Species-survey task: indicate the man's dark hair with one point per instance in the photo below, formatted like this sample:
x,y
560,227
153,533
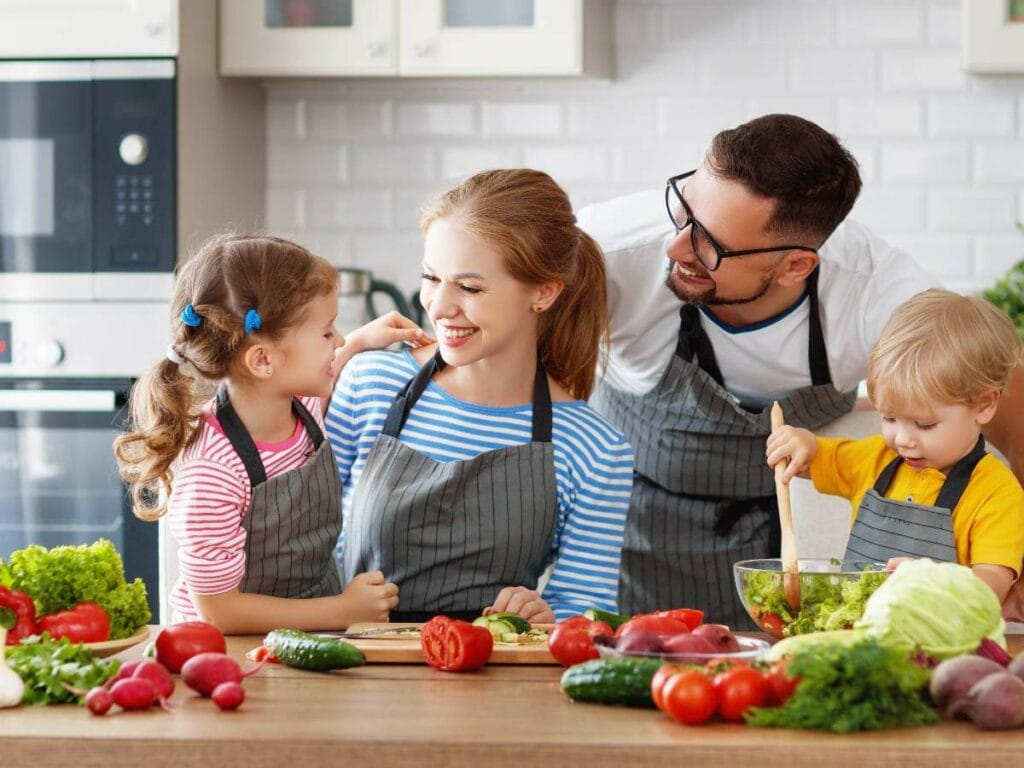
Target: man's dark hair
x,y
813,179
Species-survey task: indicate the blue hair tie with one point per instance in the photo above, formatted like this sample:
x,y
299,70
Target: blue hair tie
x,y
252,321
190,318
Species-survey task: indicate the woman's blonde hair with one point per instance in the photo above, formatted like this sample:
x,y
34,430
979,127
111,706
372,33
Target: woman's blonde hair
x,y
213,294
528,218
942,347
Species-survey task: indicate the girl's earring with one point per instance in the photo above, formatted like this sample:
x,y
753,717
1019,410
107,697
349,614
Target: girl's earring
x,y
537,308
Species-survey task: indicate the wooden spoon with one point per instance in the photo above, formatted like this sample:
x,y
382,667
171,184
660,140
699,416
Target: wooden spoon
x,y
791,578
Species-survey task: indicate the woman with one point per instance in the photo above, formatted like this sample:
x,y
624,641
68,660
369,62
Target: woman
x,y
471,466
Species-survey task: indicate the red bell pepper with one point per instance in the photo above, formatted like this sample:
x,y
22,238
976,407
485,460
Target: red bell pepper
x,y
455,646
24,611
572,641
85,623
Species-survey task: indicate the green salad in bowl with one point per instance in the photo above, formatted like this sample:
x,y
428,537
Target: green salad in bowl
x,y
832,594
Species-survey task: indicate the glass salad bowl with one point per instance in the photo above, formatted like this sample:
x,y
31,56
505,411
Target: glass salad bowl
x,y
832,594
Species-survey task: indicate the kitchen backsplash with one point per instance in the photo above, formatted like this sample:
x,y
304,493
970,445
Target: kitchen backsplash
x,y
941,151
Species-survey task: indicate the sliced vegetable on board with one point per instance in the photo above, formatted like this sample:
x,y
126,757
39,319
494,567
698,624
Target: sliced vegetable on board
x,y
455,646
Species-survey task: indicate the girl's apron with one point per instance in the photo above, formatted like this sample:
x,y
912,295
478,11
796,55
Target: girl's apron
x,y
887,528
451,535
704,496
294,518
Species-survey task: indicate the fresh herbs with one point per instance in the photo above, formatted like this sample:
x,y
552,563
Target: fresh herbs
x,y
48,668
1008,292
844,688
62,577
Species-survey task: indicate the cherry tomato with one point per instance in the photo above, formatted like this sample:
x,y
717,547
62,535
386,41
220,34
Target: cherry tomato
x,y
662,676
738,689
658,625
178,643
572,641
772,624
780,685
689,697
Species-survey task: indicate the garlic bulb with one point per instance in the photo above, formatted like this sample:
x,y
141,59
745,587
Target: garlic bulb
x,y
11,687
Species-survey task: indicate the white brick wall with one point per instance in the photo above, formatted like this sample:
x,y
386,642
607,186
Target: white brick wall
x,y
350,163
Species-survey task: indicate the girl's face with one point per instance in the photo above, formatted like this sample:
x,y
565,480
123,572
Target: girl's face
x,y
477,308
935,435
308,349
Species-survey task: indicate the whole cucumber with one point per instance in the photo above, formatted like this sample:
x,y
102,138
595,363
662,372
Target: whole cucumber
x,y
626,682
305,651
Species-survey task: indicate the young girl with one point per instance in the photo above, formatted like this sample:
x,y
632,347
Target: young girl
x,y
247,480
926,487
470,467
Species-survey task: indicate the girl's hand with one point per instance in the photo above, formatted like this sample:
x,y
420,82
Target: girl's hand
x,y
526,602
799,446
368,597
384,331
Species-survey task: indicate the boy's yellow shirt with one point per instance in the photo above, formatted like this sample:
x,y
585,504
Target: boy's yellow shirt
x,y
988,523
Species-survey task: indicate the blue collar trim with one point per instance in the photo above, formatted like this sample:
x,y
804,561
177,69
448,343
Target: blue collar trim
x,y
737,329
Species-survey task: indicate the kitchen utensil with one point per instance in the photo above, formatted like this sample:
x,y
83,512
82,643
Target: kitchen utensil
x,y
406,650
400,631
788,553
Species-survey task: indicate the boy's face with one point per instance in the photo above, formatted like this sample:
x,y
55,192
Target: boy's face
x,y
935,435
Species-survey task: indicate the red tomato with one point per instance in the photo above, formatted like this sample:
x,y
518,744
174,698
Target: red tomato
x,y
455,646
691,617
772,624
665,673
658,625
178,643
572,641
780,685
689,697
262,653
739,689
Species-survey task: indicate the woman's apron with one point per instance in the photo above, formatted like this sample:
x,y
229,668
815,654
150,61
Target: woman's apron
x,y
294,518
451,535
704,496
887,528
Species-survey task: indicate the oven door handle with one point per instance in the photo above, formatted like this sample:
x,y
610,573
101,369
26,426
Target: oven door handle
x,y
59,400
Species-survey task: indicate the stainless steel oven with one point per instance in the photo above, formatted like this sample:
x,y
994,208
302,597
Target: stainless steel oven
x,y
87,252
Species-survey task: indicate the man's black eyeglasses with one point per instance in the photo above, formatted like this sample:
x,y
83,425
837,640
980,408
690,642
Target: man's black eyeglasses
x,y
706,248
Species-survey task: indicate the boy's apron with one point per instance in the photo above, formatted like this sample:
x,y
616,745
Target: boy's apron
x,y
704,496
887,528
451,535
294,518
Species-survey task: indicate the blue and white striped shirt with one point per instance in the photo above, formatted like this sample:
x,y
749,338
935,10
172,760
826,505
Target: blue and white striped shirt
x,y
593,465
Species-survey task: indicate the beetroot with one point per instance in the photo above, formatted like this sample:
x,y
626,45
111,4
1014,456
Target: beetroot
x,y
639,641
994,702
205,671
719,636
953,678
1016,667
228,695
98,700
990,649
133,693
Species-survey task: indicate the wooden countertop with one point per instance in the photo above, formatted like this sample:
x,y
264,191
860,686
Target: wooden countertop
x,y
384,715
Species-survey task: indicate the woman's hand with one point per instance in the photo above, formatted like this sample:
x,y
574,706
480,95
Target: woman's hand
x,y
798,446
526,602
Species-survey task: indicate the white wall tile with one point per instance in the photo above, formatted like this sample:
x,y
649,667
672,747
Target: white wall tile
x,y
437,119
800,26
382,165
833,71
969,116
460,162
944,22
948,256
395,258
286,209
994,254
569,163
697,119
741,72
818,109
647,167
934,162
880,116
524,118
710,25
636,25
917,71
996,162
865,152
597,118
890,210
969,210
349,209
893,24
291,164
356,118
286,119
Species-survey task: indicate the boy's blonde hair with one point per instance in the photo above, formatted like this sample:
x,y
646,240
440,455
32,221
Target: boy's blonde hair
x,y
942,347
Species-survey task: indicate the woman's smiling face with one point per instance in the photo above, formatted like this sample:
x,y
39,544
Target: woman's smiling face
x,y
477,308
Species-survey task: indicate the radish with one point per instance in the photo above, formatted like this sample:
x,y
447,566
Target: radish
x,y
205,671
158,675
124,671
228,695
98,700
133,693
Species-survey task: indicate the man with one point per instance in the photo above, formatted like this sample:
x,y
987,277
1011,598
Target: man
x,y
766,294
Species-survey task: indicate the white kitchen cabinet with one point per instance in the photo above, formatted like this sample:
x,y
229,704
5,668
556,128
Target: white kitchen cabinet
x,y
43,29
415,38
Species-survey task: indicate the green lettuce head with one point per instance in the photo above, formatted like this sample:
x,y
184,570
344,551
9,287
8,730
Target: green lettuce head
x,y
941,608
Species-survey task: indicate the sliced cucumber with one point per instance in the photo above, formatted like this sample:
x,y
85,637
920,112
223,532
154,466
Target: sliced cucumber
x,y
504,621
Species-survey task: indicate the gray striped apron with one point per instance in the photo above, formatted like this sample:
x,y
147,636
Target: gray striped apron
x,y
703,494
451,535
294,518
887,528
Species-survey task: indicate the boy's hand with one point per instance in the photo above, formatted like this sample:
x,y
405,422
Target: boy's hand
x,y
367,598
798,446
526,602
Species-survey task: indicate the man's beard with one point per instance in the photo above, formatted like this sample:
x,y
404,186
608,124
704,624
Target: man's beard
x,y
710,296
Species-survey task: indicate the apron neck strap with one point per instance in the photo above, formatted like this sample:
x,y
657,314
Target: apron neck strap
x,y
410,394
242,441
956,481
694,342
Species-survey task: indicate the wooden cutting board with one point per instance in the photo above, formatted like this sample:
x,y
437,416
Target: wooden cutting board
x,y
397,649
